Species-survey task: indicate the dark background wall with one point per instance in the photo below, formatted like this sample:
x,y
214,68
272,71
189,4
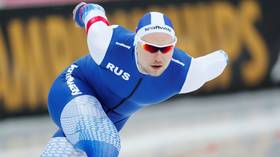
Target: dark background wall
x,y
37,43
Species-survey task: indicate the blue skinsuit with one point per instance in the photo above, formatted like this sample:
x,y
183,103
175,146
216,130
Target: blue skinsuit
x,y
91,100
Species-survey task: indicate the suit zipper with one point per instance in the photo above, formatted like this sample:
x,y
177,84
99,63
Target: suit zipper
x,y
126,98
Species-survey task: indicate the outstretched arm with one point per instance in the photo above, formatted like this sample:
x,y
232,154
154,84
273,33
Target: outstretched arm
x,y
203,69
92,17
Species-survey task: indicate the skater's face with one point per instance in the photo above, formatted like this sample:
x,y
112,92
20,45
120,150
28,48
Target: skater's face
x,y
154,53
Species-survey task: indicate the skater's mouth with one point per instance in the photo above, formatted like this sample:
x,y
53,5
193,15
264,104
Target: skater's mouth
x,y
156,67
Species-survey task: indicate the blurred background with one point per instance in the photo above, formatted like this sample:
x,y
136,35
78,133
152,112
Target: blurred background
x,y
235,115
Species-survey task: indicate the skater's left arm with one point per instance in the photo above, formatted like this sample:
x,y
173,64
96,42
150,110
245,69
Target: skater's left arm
x,y
203,69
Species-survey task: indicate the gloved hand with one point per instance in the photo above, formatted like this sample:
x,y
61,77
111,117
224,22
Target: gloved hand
x,y
82,10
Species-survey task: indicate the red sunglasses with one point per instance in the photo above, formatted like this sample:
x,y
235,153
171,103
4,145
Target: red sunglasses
x,y
154,48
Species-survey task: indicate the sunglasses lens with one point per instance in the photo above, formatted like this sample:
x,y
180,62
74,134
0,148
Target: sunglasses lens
x,y
166,49
150,48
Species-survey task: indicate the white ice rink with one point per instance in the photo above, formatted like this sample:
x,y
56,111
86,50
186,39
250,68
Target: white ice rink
x,y
243,124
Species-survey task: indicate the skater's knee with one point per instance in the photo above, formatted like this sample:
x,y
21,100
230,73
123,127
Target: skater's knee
x,y
87,127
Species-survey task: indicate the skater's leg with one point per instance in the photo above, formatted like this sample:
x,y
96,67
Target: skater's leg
x,y
87,127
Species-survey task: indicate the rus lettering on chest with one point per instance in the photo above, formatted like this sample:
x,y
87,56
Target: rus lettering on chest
x,y
117,71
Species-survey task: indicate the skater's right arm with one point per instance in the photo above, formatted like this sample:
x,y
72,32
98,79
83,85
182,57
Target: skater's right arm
x,y
92,18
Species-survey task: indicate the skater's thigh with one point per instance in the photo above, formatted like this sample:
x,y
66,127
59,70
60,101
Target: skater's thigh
x,y
62,92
